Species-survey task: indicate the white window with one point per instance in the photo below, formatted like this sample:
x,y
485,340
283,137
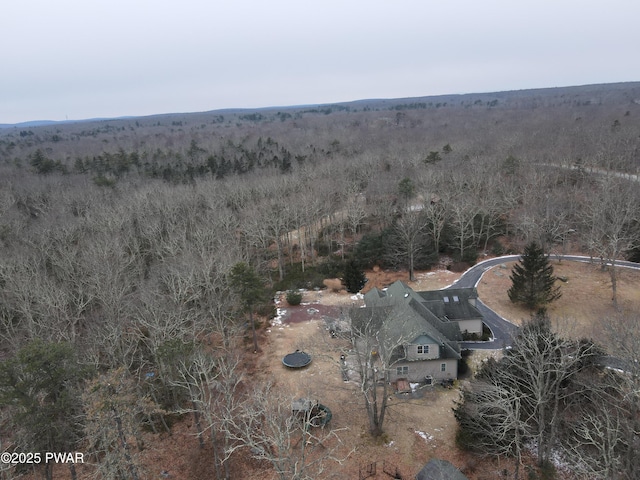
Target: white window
x,y
423,349
443,367
402,370
446,299
455,298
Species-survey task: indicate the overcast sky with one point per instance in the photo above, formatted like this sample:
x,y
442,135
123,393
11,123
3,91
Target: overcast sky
x,y
80,59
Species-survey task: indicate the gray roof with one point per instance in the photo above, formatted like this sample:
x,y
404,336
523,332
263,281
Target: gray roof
x,y
451,304
438,469
402,313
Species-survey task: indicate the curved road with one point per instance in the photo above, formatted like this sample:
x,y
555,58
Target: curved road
x,y
503,330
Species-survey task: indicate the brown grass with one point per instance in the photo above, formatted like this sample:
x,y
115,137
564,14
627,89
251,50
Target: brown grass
x,y
585,302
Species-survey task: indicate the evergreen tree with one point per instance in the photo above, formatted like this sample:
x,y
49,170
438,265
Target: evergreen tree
x,y
249,287
40,387
533,282
354,277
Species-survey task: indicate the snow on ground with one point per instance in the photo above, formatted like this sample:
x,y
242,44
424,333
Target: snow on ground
x,y
424,435
281,313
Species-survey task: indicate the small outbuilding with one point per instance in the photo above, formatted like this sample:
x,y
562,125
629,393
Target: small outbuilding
x,y
438,469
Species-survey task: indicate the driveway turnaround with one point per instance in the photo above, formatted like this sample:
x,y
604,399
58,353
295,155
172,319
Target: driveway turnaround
x,y
503,330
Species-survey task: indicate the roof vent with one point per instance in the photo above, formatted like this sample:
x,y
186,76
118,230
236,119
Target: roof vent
x,y
406,295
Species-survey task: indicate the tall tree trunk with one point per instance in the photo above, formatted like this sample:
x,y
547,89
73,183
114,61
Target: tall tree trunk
x,y
216,459
196,418
280,259
614,283
125,446
253,330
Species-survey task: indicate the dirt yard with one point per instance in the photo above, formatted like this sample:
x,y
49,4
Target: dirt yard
x,y
419,426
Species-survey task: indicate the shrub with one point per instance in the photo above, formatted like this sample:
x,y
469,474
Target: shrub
x,y
497,249
470,256
354,277
294,297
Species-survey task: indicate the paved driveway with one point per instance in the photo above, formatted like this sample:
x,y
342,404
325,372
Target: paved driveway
x,y
503,330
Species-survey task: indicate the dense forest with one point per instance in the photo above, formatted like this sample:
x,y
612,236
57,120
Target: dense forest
x,y
119,238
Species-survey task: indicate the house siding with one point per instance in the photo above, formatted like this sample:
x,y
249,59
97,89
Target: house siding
x,y
418,371
412,352
471,326
423,340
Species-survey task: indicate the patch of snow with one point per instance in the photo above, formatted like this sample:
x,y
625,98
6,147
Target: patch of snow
x,y
424,435
389,444
357,296
280,313
414,386
312,311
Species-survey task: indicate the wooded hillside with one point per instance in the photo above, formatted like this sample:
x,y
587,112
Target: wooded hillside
x,y
118,236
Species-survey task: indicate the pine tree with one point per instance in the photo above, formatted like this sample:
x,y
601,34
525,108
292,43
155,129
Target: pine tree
x,y
354,277
249,287
533,282
40,388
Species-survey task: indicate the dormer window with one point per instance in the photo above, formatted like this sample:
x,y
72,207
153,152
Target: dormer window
x,y
455,298
423,349
446,299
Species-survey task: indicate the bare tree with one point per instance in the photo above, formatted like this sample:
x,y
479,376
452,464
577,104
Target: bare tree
x,y
526,395
490,417
539,365
355,209
612,220
409,239
212,383
622,339
378,347
263,422
463,210
114,409
436,213
594,449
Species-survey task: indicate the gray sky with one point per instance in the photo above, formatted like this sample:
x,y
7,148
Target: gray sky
x,y
81,59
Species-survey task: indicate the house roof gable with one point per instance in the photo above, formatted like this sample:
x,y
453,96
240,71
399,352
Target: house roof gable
x,y
438,469
400,310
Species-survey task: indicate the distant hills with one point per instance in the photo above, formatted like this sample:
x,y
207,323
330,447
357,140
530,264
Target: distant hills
x,y
44,123
504,98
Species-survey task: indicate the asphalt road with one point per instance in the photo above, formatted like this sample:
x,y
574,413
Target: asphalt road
x,y
503,330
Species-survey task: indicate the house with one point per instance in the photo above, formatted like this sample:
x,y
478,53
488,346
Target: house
x,y
455,305
423,328
438,469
